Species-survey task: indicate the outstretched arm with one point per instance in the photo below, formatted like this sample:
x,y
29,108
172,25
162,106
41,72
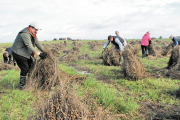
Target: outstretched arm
x,y
39,45
106,44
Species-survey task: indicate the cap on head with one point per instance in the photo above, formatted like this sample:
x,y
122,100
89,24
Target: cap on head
x,y
35,25
116,32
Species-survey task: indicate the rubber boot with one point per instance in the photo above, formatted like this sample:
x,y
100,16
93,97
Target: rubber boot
x,y
146,53
22,82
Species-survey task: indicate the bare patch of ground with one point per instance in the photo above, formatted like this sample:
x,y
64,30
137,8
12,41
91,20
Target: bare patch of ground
x,y
157,111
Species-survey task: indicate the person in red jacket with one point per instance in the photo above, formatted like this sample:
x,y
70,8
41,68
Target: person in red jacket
x,y
146,41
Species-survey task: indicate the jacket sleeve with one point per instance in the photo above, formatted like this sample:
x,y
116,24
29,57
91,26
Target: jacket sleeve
x,y
120,44
124,41
39,45
27,41
106,44
175,40
150,42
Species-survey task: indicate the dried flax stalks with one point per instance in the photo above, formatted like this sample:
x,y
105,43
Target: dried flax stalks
x,y
66,105
95,45
71,54
111,57
44,74
173,67
159,51
6,66
133,68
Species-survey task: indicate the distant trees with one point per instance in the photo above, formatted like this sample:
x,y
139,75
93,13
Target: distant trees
x,y
160,37
153,38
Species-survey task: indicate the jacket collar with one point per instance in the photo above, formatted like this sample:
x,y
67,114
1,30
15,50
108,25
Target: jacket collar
x,y
31,32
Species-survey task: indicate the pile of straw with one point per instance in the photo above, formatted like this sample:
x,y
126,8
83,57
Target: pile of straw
x,y
173,67
95,45
65,104
71,54
6,66
45,73
111,57
133,68
85,57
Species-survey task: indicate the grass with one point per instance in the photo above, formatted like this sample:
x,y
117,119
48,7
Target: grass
x,y
108,97
157,90
111,92
84,50
14,103
69,70
10,80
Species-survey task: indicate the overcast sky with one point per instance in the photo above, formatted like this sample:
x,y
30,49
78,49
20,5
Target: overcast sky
x,y
90,19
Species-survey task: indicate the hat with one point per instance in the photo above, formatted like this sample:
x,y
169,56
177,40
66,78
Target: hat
x,y
35,25
116,32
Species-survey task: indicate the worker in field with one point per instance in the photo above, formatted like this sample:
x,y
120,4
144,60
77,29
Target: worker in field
x,y
23,49
118,34
176,40
7,55
146,41
118,42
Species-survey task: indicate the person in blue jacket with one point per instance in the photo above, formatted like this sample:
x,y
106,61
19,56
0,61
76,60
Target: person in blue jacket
x,y
175,40
7,55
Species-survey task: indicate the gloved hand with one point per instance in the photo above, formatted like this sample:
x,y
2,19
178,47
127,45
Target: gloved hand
x,y
36,54
43,55
103,50
120,53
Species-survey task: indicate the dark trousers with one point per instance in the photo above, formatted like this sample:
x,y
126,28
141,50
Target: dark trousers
x,y
144,48
23,63
5,59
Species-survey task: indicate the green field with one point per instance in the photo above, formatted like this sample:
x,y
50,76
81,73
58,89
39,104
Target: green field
x,y
105,84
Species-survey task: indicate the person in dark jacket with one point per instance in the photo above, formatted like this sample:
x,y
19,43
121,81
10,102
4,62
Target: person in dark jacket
x,y
118,42
23,49
8,55
176,40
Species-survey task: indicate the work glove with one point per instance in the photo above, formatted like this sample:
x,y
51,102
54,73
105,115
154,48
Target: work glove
x,y
103,50
36,54
43,55
120,53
